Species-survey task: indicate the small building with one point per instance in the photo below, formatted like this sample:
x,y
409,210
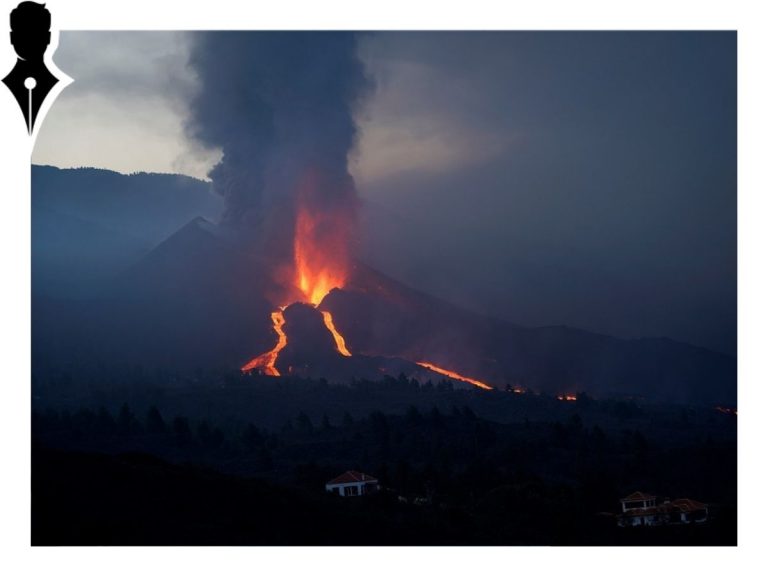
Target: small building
x,y
637,501
641,509
352,483
689,511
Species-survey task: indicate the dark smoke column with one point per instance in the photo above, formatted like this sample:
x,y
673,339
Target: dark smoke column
x,y
280,105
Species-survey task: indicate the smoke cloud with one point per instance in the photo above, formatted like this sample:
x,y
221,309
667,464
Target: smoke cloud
x,y
280,105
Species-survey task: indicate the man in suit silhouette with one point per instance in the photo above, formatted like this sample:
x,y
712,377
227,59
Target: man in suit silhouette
x,y
30,81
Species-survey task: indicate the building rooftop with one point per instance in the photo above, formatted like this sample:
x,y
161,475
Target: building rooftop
x,y
351,476
688,505
636,496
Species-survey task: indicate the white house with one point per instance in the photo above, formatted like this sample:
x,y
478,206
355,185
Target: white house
x,y
690,511
640,509
637,501
352,483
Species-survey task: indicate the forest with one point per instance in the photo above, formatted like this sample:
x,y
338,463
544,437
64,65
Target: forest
x,y
240,459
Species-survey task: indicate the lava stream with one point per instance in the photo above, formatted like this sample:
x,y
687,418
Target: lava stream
x,y
266,362
341,346
454,375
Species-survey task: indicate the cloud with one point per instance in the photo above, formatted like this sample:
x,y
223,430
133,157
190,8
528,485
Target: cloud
x,y
127,107
424,117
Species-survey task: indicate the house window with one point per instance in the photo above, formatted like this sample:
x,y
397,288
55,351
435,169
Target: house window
x,y
350,491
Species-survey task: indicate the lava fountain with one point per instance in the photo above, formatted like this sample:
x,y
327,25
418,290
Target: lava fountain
x,y
322,234
320,263
319,255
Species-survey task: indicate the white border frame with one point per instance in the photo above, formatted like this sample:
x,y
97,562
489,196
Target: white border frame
x,y
744,16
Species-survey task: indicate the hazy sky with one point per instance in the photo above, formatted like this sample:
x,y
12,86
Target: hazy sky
x,y
586,179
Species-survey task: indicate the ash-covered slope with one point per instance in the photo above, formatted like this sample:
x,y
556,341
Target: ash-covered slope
x,y
311,352
379,315
197,301
192,302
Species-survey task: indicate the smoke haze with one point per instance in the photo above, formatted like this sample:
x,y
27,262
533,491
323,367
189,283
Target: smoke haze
x,y
280,107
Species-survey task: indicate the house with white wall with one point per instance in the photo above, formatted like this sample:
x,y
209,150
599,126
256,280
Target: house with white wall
x,y
641,509
352,483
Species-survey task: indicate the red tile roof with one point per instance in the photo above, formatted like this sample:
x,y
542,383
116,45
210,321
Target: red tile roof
x,y
351,476
688,505
635,496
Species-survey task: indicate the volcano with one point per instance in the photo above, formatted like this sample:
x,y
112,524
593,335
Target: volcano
x,y
197,301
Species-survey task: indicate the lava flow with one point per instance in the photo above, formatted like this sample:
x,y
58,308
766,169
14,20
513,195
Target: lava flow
x,y
266,362
320,263
319,248
341,346
454,375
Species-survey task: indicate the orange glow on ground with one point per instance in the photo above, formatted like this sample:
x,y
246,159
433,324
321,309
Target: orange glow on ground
x,y
567,397
454,375
266,362
341,346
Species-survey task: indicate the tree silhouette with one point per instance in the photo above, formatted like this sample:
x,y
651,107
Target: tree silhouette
x,y
155,422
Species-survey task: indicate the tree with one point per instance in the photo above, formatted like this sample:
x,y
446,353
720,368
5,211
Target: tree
x,y
155,422
252,437
436,417
204,433
181,430
125,420
105,424
413,416
304,423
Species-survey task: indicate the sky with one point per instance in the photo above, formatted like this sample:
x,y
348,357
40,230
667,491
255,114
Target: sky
x,y
586,179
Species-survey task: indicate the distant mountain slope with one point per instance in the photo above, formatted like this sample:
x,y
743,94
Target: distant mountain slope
x,y
197,297
192,302
196,301
146,206
90,224
72,257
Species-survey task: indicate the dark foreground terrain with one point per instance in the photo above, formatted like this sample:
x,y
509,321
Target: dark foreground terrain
x,y
244,461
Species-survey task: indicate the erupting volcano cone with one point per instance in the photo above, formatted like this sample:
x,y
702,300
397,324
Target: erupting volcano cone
x,y
311,347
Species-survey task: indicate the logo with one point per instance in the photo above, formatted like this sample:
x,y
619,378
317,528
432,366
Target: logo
x,y
30,81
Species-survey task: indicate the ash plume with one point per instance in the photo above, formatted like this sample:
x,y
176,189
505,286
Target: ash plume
x,y
280,106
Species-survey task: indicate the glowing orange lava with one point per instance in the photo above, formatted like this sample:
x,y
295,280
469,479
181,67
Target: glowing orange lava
x,y
320,262
320,245
567,397
266,362
317,272
341,346
454,375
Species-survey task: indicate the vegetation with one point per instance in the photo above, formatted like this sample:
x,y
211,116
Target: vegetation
x,y
456,466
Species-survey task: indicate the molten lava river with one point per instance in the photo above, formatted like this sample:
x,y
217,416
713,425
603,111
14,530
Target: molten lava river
x,y
315,276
